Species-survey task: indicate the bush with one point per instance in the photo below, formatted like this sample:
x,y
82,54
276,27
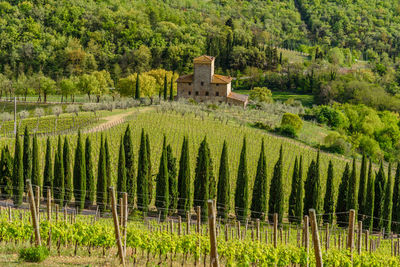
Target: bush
x,y
331,117
34,254
262,125
286,130
335,143
293,120
261,94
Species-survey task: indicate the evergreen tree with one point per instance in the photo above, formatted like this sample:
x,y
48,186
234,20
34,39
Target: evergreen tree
x,y
121,181
142,176
79,177
165,87
68,174
352,193
162,188
27,156
129,165
223,193
212,183
172,181
276,195
293,194
362,190
201,179
137,91
380,183
90,186
6,173
171,88
18,172
59,174
259,199
369,202
298,209
329,201
184,192
388,202
150,179
101,199
242,187
341,206
313,198
396,201
48,170
108,169
36,179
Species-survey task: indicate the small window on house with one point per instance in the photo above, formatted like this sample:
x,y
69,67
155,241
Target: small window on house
x,y
206,93
217,94
197,93
190,83
202,83
189,92
217,84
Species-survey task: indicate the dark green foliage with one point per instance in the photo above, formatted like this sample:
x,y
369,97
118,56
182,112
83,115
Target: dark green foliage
x,y
79,174
313,198
341,204
242,187
201,179
212,183
184,201
379,201
102,189
34,254
362,190
171,89
48,169
108,168
223,193
162,188
6,173
150,179
369,202
18,172
276,195
90,183
59,187
172,181
260,194
121,179
27,156
329,200
36,179
143,175
296,183
165,88
68,174
129,165
298,209
388,202
396,201
352,202
137,88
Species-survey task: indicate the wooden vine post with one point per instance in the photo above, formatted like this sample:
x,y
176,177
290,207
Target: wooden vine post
x,y
188,223
214,262
125,222
315,237
37,193
116,226
350,236
359,240
275,230
32,205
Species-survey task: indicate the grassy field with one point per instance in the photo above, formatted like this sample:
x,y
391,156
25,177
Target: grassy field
x,y
306,100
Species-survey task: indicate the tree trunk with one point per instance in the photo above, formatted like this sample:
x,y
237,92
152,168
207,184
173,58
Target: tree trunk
x,y
98,99
45,97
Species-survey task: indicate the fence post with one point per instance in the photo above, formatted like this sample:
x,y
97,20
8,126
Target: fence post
x,y
213,237
315,236
125,224
275,230
116,226
359,240
350,236
37,196
187,222
32,205
48,204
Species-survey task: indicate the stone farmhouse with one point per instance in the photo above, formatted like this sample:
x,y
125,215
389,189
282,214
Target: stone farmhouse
x,y
203,85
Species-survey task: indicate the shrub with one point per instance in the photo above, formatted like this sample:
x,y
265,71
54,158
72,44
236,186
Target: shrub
x,y
286,130
261,94
262,125
335,143
293,120
331,117
34,254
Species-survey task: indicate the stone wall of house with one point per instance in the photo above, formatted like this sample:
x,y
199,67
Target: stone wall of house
x,y
202,76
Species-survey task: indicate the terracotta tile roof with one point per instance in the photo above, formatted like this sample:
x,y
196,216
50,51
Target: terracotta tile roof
x,y
203,59
185,79
221,79
237,96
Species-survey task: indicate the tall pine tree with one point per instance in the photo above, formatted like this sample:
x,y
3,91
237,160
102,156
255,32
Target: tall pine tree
x,y
369,202
142,176
68,174
27,156
388,202
396,201
129,165
298,209
201,179
101,199
362,190
18,172
242,186
313,199
172,181
150,179
79,177
259,199
59,188
36,179
276,195
6,173
171,88
137,90
48,169
121,180
162,188
380,183
329,200
184,192
212,183
165,88
341,204
108,168
223,192
90,186
293,194
352,202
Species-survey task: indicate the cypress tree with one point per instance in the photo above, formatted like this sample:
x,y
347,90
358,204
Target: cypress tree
x,y
90,187
137,91
362,190
121,181
150,179
108,168
388,202
329,201
18,172
342,205
242,187
101,199
59,174
369,202
352,193
129,165
165,87
172,181
171,88
298,209
223,193
396,201
212,184
79,178
201,179
142,176
162,188
36,180
293,194
259,199
276,195
48,169
27,156
380,183
67,172
184,192
313,198
6,173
